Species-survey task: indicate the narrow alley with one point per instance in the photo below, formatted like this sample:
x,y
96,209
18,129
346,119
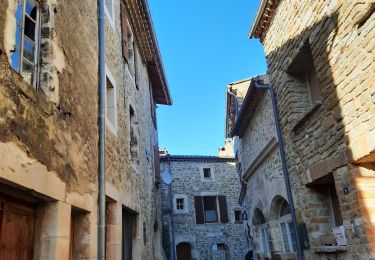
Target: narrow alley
x,y
265,150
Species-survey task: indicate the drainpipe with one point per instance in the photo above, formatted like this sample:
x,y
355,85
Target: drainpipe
x,y
285,168
101,159
171,213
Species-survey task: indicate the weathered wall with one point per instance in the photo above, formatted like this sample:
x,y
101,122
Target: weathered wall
x,y
133,179
187,180
52,130
48,136
330,137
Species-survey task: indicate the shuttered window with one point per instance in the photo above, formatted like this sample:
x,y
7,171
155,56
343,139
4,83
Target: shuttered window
x,y
124,28
209,208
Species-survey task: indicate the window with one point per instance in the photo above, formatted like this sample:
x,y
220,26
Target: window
x,y
110,11
207,173
304,75
259,221
111,105
180,204
265,240
237,216
211,209
24,56
287,228
326,198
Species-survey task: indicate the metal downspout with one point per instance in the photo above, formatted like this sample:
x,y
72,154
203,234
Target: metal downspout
x,y
285,168
171,213
101,151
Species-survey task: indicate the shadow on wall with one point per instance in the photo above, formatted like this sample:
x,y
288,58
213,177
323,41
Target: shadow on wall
x,y
322,79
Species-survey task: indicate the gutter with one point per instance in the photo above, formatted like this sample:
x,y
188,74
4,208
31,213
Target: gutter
x,y
284,164
101,133
257,17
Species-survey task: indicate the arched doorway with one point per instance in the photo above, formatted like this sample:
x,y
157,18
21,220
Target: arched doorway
x,y
183,251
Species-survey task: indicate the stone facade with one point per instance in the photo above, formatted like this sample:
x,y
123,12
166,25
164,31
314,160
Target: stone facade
x,y
49,133
258,159
224,237
320,62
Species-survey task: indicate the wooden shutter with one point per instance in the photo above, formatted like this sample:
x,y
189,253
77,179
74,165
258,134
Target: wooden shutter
x,y
124,28
199,209
157,164
223,209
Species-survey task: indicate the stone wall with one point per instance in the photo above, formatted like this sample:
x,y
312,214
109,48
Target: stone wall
x,y
49,134
132,174
335,136
187,181
261,172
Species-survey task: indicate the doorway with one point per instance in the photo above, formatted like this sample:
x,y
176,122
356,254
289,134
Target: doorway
x,y
17,228
183,251
128,219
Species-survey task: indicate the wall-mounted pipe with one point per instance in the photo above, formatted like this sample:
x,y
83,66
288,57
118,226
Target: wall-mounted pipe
x,y
101,132
285,168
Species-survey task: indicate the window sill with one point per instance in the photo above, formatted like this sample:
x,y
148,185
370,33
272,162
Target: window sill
x,y
330,249
30,92
305,117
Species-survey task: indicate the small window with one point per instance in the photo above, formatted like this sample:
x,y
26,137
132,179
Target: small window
x,y
207,173
24,56
111,105
237,216
110,11
180,204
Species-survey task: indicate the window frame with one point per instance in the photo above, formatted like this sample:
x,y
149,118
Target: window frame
x,y
110,14
184,197
290,245
111,126
216,209
22,37
240,220
212,173
264,235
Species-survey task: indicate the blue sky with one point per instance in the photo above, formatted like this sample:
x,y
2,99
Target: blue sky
x,y
204,46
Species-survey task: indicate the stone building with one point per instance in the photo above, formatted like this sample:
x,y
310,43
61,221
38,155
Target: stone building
x,y
263,195
49,133
320,57
201,216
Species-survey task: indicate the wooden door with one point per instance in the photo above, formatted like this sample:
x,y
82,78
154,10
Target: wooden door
x,y
183,251
17,224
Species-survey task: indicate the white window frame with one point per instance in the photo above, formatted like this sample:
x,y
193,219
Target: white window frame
x,y
212,178
109,124
110,13
22,40
265,240
286,220
185,198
